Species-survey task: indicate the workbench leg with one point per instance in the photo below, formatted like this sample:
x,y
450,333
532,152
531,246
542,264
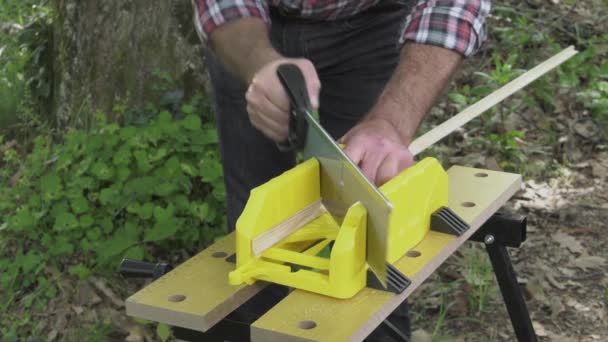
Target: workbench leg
x,y
511,292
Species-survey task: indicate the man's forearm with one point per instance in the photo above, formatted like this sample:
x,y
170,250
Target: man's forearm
x,y
419,79
244,46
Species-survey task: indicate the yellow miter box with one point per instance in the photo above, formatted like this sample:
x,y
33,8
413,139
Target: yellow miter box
x,y
293,200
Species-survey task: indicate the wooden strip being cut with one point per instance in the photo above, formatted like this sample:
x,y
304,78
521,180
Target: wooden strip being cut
x,y
473,111
474,195
282,230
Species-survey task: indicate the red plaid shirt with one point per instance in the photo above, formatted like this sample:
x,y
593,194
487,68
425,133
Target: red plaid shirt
x,y
457,25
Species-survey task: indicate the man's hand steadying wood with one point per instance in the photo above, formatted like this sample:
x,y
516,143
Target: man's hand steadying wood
x,y
379,144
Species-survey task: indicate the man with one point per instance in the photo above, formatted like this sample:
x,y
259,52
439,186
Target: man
x,y
373,69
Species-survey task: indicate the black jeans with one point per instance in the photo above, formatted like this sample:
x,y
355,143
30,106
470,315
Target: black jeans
x,y
354,59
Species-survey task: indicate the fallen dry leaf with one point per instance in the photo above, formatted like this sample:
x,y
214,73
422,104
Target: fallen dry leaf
x,y
599,168
588,261
78,309
551,279
560,338
571,302
421,335
569,242
539,329
136,334
86,295
557,307
101,285
51,336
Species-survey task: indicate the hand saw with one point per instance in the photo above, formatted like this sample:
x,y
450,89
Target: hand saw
x,y
342,182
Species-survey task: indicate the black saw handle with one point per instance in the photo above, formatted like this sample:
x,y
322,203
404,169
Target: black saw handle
x,y
293,81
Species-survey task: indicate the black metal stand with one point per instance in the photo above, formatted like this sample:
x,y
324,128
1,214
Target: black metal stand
x,y
497,233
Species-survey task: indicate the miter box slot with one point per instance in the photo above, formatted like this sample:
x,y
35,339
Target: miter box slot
x,y
396,281
444,220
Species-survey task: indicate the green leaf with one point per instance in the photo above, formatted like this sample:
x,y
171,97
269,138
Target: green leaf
x,y
109,195
172,168
50,186
164,117
22,220
159,154
146,211
127,133
164,214
64,161
163,331
188,169
200,210
86,221
29,261
165,189
80,270
65,221
79,205
162,230
458,98
115,246
83,166
122,174
87,183
122,156
143,164
187,109
211,169
135,253
102,171
110,140
192,122
106,224
181,202
94,234
28,300
205,137
141,186
51,292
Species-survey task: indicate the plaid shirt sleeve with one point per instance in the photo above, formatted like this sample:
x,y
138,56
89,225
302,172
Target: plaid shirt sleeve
x,y
211,14
457,25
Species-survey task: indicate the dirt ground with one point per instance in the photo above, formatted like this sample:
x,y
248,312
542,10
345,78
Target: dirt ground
x,y
561,268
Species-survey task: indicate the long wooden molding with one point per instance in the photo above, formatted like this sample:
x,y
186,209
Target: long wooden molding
x,y
473,111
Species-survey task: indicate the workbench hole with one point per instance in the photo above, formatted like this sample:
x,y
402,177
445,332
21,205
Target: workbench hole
x,y
307,325
412,254
468,204
177,298
219,254
481,175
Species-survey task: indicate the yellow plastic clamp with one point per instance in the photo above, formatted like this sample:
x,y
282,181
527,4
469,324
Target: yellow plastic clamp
x,y
415,194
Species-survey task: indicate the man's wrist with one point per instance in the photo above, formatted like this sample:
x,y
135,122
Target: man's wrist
x,y
244,46
394,114
422,73
260,57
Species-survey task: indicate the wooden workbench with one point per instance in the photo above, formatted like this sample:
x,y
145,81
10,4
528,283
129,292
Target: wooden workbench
x,y
196,295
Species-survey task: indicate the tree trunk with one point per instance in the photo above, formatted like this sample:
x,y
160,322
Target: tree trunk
x,y
108,51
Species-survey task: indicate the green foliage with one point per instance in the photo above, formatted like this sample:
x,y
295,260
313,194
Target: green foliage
x,y
163,331
479,275
81,205
24,67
